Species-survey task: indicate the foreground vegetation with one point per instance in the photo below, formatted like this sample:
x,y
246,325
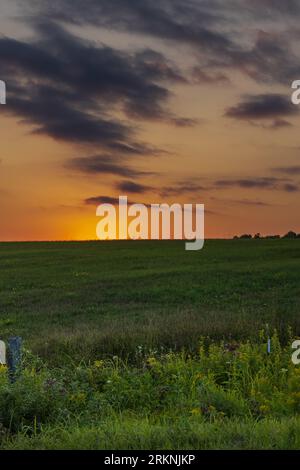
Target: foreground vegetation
x,y
116,357
224,396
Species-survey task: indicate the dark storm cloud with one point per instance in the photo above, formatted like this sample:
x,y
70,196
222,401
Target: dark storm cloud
x,y
264,107
69,88
132,187
156,67
167,19
172,19
258,183
286,7
50,114
236,34
105,164
269,59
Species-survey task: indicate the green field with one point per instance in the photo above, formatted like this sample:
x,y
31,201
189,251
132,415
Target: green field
x,y
146,345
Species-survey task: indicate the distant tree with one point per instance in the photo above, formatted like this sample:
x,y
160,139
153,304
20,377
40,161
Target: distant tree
x,y
258,236
290,234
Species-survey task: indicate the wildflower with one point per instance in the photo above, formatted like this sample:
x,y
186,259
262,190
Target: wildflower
x,y
196,411
152,362
98,364
264,409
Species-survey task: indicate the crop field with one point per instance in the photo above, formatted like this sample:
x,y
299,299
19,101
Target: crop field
x,y
143,345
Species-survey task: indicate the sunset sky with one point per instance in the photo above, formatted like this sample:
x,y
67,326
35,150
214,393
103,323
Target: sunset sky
x,y
163,101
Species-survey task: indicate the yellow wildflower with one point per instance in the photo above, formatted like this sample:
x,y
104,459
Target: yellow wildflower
x,y
196,411
98,364
152,362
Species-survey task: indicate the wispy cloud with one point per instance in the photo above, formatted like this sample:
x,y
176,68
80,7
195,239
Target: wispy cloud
x,y
262,108
288,170
258,183
105,164
133,188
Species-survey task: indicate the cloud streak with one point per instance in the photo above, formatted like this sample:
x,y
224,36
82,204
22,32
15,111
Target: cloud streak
x,y
262,108
269,183
105,164
130,187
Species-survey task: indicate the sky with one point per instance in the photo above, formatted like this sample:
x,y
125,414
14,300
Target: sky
x,y
168,101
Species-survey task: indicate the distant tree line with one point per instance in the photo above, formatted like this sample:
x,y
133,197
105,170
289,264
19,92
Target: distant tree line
x,y
257,236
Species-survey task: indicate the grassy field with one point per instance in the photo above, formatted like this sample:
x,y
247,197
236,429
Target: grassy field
x,y
108,298
145,345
